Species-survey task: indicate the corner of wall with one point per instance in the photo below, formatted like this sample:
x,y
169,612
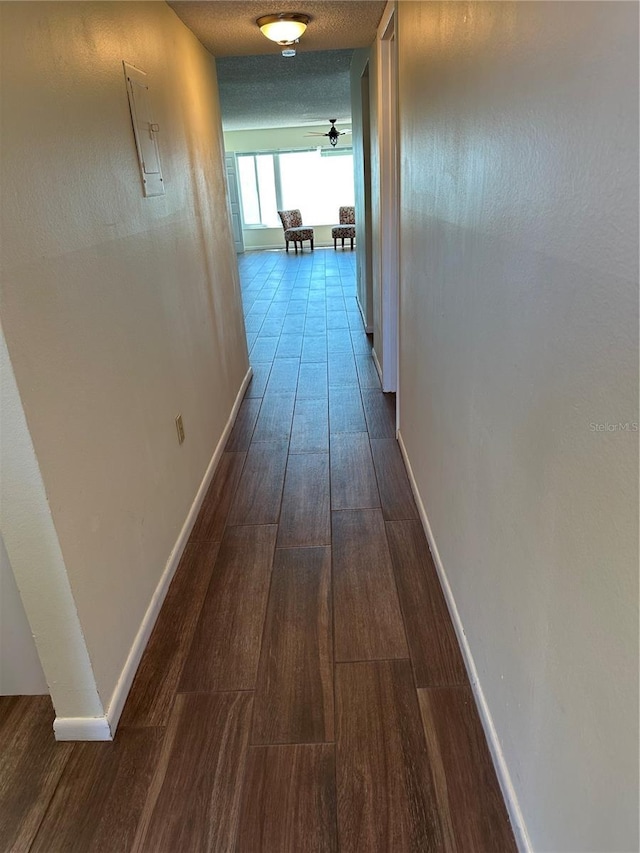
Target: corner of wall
x,y
37,562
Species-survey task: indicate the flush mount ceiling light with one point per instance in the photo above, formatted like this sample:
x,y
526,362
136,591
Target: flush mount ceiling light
x,y
284,28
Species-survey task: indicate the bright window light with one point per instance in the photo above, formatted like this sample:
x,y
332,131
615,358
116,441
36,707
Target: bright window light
x,y
317,182
267,190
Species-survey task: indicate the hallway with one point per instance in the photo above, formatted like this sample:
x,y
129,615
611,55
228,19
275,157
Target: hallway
x,y
303,688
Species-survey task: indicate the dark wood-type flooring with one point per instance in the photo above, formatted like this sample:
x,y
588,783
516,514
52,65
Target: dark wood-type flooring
x,y
303,689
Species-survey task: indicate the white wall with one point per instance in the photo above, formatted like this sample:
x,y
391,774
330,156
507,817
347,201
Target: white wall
x,y
119,312
20,669
519,330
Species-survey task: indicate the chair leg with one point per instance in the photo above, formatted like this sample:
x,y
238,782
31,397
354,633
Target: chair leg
x,y
286,245
351,244
342,238
335,244
311,241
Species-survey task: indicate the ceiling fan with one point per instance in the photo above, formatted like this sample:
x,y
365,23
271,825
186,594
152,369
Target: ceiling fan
x,y
333,133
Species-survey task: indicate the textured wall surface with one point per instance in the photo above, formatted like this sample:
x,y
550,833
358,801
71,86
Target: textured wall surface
x,y
519,344
119,311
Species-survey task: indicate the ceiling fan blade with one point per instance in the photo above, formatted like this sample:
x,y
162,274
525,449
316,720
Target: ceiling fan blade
x,y
316,134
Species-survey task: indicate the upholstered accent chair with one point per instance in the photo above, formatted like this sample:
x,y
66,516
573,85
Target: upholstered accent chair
x,y
347,227
294,231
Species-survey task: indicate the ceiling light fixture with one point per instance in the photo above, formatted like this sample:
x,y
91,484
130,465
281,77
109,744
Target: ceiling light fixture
x,y
334,134
284,28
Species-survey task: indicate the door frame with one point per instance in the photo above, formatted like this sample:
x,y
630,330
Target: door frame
x,y
235,200
366,258
386,45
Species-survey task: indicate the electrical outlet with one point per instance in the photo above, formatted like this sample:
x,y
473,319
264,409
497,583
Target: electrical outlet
x,y
180,429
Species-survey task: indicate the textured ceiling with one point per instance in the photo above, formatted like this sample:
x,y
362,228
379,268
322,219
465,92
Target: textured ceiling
x,y
259,87
228,27
269,91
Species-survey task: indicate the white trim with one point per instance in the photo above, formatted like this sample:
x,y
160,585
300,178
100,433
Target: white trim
x,y
377,363
368,329
387,14
82,728
504,777
387,94
104,728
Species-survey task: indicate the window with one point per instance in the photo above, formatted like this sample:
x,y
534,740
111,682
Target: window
x,y
258,189
317,181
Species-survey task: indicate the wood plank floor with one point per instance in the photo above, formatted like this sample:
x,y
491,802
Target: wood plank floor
x,y
303,689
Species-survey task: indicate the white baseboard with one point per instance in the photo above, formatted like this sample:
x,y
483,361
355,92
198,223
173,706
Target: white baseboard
x,y
82,728
307,248
502,771
104,728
